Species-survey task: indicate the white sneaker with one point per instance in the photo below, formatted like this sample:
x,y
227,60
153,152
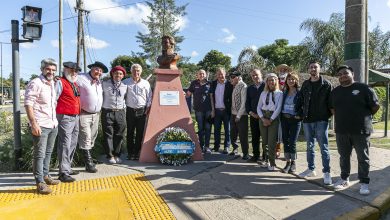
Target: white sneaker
x,y
327,179
264,165
207,151
364,189
118,160
341,184
112,160
271,168
308,173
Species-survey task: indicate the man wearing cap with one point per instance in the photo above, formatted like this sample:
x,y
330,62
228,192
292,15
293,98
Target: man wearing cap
x,y
114,114
40,101
68,111
221,104
91,100
353,105
252,100
316,113
138,101
239,119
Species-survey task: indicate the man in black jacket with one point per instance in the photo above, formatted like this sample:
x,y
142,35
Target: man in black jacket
x,y
316,113
252,99
221,102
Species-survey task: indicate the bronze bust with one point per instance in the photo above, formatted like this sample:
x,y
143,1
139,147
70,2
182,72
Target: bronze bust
x,y
168,58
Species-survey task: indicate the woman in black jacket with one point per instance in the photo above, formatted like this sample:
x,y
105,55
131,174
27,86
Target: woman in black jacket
x,y
291,118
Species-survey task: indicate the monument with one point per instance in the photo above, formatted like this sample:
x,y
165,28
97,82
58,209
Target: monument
x,y
169,107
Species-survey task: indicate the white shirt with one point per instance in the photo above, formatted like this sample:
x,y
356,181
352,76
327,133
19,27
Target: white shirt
x,y
41,96
218,95
91,93
276,106
138,94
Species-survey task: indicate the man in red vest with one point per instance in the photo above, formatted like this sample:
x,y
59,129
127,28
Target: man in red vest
x,y
68,110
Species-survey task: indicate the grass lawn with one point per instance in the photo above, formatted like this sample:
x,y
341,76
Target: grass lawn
x,y
381,125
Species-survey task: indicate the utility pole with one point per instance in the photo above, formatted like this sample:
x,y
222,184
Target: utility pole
x,y
356,38
80,33
60,39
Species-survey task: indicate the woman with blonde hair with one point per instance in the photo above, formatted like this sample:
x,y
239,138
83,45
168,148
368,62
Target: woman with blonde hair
x,y
268,109
290,119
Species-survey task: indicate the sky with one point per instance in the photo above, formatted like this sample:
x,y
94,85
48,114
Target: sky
x,y
224,25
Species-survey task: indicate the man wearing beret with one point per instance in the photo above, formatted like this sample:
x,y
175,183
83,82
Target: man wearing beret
x,y
68,111
91,100
353,104
114,114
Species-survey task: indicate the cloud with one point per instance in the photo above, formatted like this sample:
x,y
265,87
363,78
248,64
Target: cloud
x,y
253,47
111,12
229,38
28,45
194,54
230,55
388,3
54,43
93,43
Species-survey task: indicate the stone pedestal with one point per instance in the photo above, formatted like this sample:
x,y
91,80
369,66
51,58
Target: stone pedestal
x,y
163,116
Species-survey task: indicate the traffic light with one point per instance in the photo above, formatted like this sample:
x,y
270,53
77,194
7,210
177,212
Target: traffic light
x,y
32,27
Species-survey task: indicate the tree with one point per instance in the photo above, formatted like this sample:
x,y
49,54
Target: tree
x,y
127,61
33,76
248,60
326,43
189,72
379,48
213,60
162,21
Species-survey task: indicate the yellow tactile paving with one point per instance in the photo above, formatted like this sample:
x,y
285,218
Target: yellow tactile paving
x,y
142,199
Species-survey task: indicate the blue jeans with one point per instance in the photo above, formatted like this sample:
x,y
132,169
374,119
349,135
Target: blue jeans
x,y
319,131
290,131
43,147
204,128
221,116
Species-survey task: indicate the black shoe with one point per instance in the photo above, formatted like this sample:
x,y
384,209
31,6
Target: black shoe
x,y
225,150
293,168
74,172
66,178
245,157
253,159
286,168
216,149
89,165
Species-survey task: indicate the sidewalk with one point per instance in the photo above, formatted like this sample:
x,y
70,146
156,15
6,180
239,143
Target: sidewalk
x,y
224,187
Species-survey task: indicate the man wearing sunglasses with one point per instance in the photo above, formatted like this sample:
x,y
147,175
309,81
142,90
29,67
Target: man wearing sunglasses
x,y
68,111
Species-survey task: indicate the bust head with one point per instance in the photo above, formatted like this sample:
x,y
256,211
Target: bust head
x,y
168,42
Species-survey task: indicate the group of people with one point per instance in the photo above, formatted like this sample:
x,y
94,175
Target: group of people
x,y
69,108
277,108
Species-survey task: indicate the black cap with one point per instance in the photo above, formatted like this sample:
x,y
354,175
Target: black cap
x,y
71,65
235,73
100,65
344,67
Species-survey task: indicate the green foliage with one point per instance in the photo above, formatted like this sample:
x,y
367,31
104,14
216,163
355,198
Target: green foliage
x,y
379,48
189,73
381,93
213,60
162,21
326,41
281,53
126,62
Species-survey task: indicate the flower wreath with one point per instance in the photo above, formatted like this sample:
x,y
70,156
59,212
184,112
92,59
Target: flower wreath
x,y
174,146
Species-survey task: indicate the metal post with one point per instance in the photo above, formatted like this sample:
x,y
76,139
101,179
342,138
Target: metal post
x,y
2,87
386,107
16,91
